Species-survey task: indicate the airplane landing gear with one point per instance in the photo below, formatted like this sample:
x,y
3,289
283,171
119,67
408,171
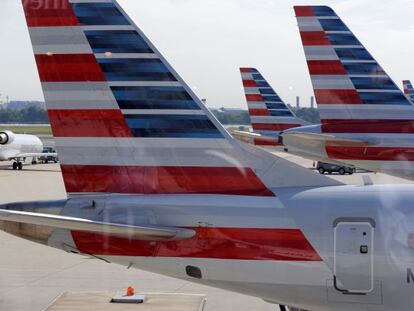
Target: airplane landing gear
x,y
18,165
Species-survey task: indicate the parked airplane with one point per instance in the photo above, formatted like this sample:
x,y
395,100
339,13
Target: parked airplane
x,y
269,115
408,90
17,147
170,191
366,121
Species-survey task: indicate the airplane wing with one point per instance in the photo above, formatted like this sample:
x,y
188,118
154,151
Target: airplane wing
x,y
154,233
29,155
38,154
269,114
246,134
330,139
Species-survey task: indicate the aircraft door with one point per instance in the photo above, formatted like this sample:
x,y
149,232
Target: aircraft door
x,y
353,256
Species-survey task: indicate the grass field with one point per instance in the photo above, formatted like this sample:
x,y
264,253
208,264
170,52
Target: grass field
x,y
27,129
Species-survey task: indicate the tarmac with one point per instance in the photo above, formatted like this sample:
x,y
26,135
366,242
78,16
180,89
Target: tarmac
x,y
152,301
32,275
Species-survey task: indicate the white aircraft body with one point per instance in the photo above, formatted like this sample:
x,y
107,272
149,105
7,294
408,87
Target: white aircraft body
x,y
156,182
18,147
366,120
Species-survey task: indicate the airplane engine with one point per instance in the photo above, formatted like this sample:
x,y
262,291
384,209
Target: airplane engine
x,y
6,137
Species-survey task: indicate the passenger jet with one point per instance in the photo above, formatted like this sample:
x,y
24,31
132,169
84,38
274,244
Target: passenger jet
x,y
156,182
269,114
17,147
366,121
408,90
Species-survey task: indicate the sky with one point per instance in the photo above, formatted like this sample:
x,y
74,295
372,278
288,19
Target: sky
x,y
207,41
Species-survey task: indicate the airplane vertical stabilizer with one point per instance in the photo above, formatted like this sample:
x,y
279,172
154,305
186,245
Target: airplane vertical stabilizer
x,y
408,90
268,113
353,92
123,119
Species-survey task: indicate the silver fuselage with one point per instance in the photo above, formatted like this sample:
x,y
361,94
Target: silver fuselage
x,y
328,217
391,153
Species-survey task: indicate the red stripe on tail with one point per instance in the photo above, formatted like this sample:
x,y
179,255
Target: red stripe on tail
x,y
324,97
245,70
163,179
254,98
218,243
303,11
42,13
273,127
259,112
249,83
88,123
314,38
326,67
69,68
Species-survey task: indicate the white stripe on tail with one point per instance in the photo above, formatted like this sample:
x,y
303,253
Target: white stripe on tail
x,y
123,119
269,114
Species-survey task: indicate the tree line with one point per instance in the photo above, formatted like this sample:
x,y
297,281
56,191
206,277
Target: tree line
x,y
241,117
36,115
32,115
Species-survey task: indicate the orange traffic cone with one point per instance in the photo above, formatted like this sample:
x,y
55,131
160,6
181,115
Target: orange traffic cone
x,y
130,291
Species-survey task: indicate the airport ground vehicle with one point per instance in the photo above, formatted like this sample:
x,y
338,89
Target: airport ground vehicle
x,y
50,155
329,168
193,203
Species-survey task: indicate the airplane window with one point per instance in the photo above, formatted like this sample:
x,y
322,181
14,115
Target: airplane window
x,y
194,272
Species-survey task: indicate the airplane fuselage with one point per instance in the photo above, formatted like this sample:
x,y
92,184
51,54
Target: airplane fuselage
x,y
286,249
21,144
385,153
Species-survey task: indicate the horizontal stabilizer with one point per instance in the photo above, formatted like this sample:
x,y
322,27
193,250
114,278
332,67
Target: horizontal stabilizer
x,y
318,137
251,135
38,154
72,223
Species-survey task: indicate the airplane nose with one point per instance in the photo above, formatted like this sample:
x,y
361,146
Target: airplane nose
x,y
35,233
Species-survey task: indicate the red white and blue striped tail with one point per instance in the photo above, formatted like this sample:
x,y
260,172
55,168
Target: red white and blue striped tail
x,y
353,92
408,90
269,115
123,119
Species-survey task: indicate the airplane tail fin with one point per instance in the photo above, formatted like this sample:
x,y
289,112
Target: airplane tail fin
x,y
408,90
268,113
353,92
123,119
